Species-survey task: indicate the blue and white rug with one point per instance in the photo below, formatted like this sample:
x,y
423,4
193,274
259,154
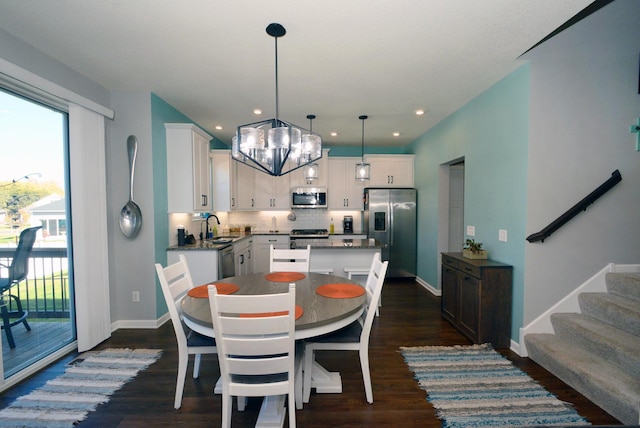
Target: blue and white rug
x,y
475,386
67,399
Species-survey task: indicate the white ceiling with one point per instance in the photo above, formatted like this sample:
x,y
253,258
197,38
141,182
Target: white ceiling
x,y
213,61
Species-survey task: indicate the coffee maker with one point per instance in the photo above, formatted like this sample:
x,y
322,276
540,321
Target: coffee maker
x,y
347,224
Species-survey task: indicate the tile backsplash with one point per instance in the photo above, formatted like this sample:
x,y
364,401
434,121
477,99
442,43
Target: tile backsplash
x,y
261,221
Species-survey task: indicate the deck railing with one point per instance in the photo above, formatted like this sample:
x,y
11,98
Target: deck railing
x,y
45,291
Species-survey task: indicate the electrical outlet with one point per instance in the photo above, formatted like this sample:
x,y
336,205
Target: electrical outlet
x,y
471,230
136,296
502,235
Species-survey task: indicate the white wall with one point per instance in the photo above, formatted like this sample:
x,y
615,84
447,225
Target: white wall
x,y
584,97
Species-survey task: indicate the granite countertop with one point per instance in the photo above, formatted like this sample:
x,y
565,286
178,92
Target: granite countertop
x,y
221,242
355,244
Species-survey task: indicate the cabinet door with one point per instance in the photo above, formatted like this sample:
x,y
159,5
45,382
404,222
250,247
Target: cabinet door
x,y
297,177
244,186
449,301
345,192
188,168
469,315
271,193
201,174
391,170
221,170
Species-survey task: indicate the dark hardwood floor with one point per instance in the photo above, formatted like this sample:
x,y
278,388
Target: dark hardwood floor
x,y
410,316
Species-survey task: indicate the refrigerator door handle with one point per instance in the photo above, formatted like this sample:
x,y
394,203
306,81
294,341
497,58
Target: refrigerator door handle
x,y
391,223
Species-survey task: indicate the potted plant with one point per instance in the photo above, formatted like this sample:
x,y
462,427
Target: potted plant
x,y
473,250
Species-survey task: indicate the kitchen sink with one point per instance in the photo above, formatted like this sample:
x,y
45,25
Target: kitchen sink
x,y
221,240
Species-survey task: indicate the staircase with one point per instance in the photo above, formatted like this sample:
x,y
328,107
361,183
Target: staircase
x,y
597,351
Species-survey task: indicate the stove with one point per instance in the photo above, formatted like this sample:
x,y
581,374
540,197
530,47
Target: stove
x,y
309,233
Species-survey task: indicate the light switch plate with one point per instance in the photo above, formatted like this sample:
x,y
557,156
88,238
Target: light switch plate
x,y
502,235
471,230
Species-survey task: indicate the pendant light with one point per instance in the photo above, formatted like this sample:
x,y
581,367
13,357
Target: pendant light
x,y
363,169
274,146
311,171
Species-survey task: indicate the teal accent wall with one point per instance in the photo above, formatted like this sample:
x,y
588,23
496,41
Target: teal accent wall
x,y
491,134
356,151
161,113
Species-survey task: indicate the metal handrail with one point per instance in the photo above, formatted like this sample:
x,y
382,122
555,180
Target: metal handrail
x,y
573,211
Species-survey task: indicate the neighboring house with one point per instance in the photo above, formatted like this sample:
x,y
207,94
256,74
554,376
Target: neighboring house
x,y
50,213
533,144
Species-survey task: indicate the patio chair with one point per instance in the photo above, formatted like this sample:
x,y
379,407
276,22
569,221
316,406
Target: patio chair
x,y
18,270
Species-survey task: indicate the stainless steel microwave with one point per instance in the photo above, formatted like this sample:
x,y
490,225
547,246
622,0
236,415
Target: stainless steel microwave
x,y
309,197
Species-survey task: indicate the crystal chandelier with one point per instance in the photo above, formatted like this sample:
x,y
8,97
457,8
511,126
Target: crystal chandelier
x,y
274,146
363,169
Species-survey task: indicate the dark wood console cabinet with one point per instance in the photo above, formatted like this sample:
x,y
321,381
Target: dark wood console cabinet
x,y
477,298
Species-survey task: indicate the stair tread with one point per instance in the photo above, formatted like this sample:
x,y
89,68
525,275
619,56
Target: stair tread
x,y
615,310
626,284
620,347
602,382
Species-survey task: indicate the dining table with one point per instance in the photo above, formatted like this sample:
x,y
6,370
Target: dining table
x,y
324,303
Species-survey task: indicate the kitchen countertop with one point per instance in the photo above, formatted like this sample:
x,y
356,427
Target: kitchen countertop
x,y
345,244
228,240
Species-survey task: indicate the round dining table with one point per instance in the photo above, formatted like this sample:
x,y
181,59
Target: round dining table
x,y
320,315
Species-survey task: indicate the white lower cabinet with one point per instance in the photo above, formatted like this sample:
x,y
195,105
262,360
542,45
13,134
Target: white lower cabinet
x,y
261,245
203,265
243,256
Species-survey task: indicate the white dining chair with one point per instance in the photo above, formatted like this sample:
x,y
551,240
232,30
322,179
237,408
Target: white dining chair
x,y
256,347
289,260
354,337
175,281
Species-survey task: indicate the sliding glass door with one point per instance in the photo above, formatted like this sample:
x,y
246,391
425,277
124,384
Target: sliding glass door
x,y
34,192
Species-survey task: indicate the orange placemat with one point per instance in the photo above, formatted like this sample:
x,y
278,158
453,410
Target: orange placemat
x,y
299,312
202,291
284,276
340,291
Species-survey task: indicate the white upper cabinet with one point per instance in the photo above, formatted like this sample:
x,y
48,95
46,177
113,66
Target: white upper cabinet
x,y
390,170
271,193
297,177
224,183
245,190
188,168
344,191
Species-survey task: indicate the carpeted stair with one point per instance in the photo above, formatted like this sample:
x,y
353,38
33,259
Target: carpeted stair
x,y
597,352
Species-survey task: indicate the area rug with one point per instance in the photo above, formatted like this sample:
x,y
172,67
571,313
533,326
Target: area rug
x,y
475,386
86,383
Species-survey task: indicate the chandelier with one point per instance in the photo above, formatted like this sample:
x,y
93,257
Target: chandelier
x,y
274,146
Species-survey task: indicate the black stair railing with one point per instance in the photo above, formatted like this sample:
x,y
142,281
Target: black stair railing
x,y
573,211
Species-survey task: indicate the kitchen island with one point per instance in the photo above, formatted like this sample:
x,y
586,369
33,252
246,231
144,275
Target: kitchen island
x,y
337,256
332,255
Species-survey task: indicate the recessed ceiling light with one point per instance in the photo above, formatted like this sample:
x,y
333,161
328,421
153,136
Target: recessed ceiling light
x,y
257,111
419,112
334,134
219,128
396,134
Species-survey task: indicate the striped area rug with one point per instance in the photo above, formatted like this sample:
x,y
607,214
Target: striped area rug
x,y
67,399
475,386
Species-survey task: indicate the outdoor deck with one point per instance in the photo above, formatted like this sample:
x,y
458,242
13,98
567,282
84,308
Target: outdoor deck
x,y
44,338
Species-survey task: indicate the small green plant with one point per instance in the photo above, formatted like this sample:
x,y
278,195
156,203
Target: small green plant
x,y
473,246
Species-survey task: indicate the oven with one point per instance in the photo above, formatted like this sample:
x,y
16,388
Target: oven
x,y
299,238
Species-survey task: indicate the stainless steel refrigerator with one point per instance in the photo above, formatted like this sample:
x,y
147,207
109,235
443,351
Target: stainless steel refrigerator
x,y
390,217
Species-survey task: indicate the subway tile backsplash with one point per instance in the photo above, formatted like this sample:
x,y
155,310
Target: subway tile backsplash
x,y
261,221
